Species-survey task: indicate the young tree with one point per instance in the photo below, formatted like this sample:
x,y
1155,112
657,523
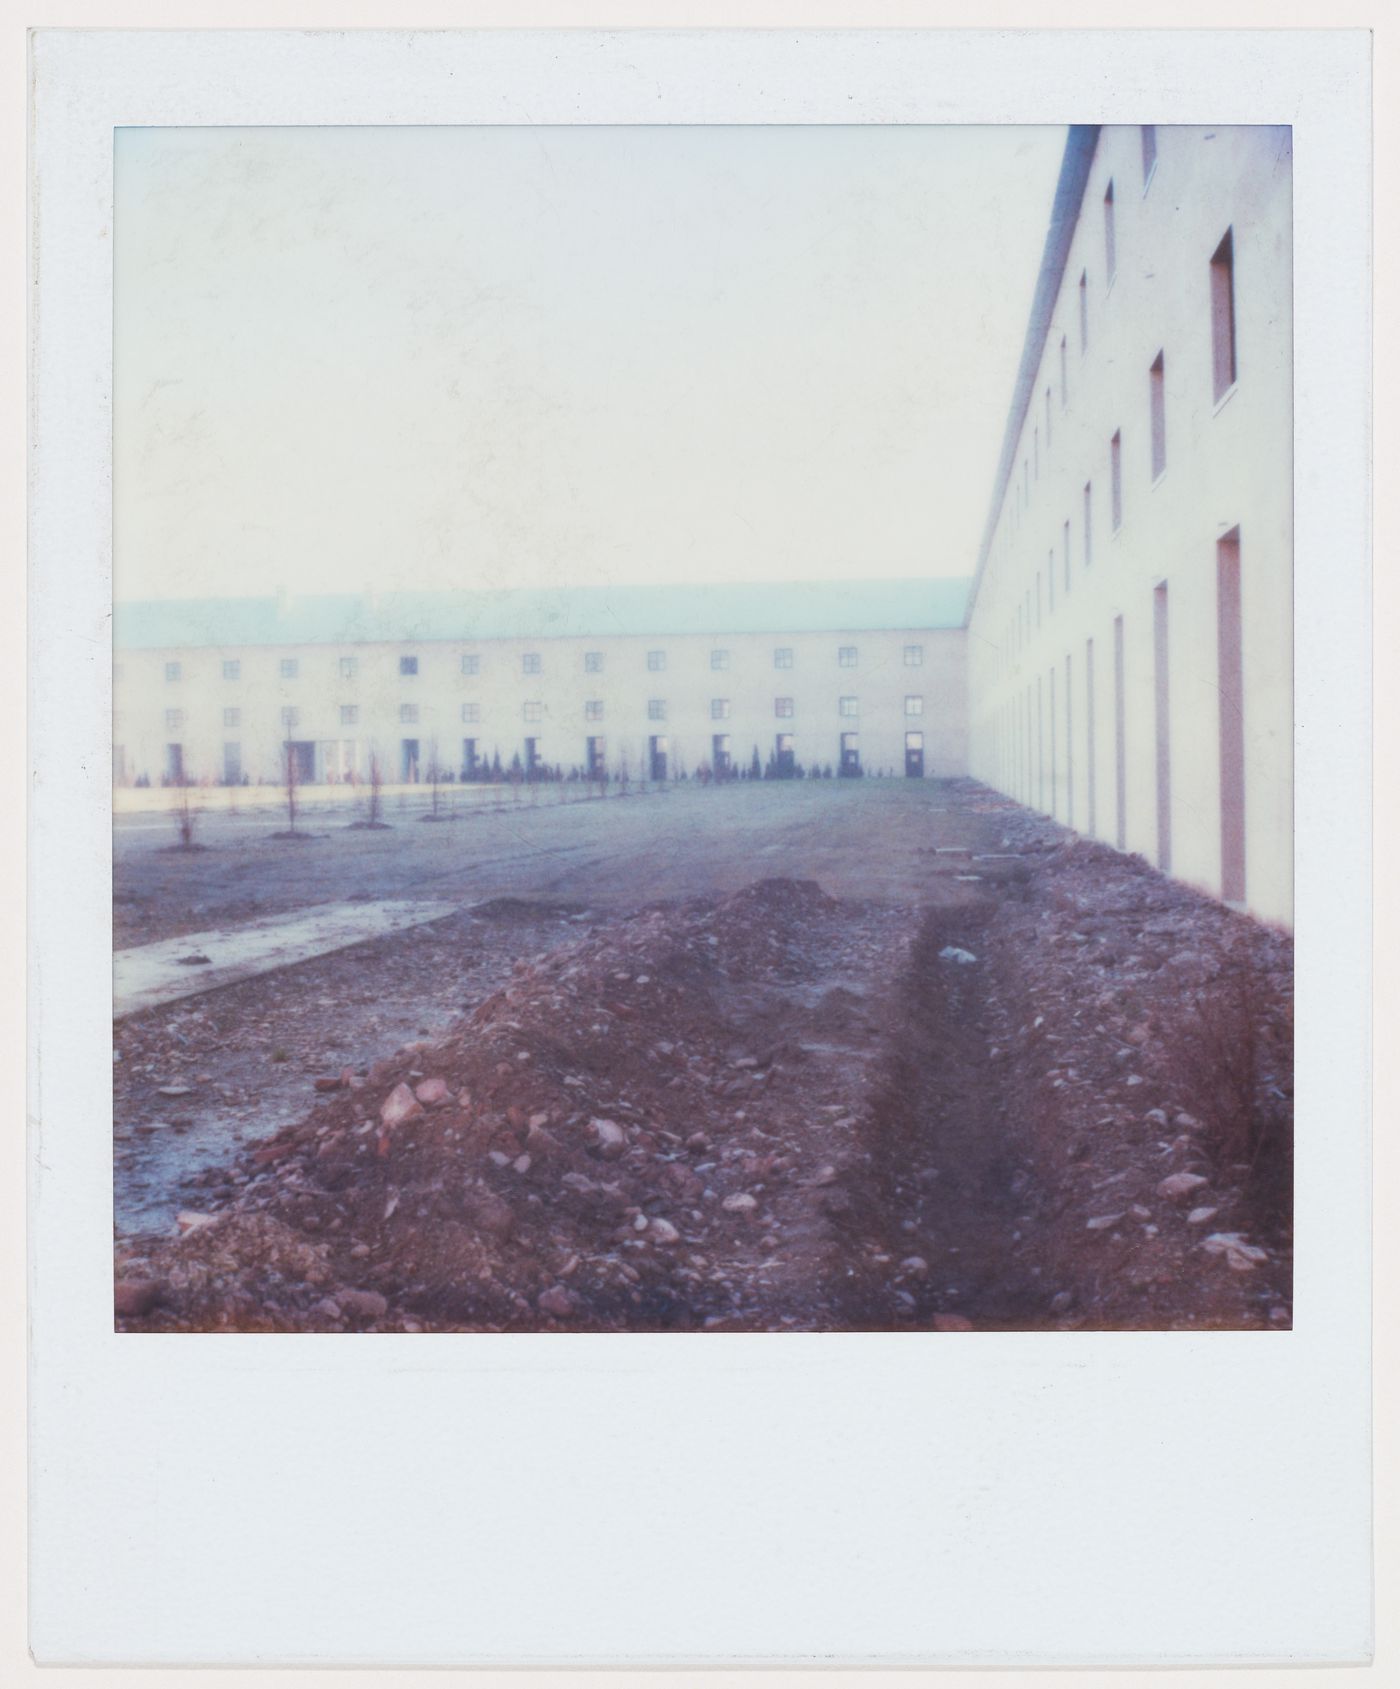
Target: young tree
x,y
290,781
186,816
755,766
434,780
376,790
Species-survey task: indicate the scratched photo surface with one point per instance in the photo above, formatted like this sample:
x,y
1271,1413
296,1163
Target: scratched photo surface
x,y
702,729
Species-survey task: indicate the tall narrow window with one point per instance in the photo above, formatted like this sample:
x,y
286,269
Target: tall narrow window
x,y
1116,479
1162,694
1222,314
1064,373
1156,382
1090,749
1149,153
1231,686
1088,523
1083,310
1120,738
1110,238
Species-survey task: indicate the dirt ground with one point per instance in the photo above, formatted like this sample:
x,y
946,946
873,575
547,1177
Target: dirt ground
x,y
851,1057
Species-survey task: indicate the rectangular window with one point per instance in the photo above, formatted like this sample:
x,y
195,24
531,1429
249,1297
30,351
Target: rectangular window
x,y
1149,152
232,668
291,715
846,656
1115,453
1156,379
656,709
782,657
172,671
174,720
233,718
1110,238
782,707
471,712
408,665
849,706
349,667
1088,523
1064,373
1083,311
471,665
913,656
719,709
656,661
593,709
533,711
233,763
913,705
1222,314
530,663
719,659
408,713
1162,693
349,715
1229,655
593,662
289,668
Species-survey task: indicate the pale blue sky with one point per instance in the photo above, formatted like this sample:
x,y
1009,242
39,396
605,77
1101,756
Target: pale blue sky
x,y
419,358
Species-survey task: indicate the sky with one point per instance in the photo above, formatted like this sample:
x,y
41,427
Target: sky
x,y
424,358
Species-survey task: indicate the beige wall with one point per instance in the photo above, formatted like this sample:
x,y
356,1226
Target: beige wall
x,y
880,682
1228,467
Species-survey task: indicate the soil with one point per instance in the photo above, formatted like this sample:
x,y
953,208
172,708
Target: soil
x,y
1049,1091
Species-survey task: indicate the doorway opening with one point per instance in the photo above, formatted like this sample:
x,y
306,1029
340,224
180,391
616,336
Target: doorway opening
x,y
913,756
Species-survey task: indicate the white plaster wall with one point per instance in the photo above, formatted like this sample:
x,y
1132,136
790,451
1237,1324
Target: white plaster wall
x,y
1228,465
880,682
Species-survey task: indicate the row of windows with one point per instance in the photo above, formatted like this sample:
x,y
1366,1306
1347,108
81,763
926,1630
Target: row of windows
x,y
720,710
531,662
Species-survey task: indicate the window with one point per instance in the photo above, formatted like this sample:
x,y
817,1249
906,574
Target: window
x,y
1115,452
534,711
782,657
1110,238
471,665
1222,314
913,706
1083,310
408,712
593,709
913,656
719,659
849,706
1158,404
471,712
846,656
593,662
719,709
289,668
291,715
1088,523
530,663
656,709
232,668
782,707
172,671
349,715
349,667
1064,373
408,665
1149,153
656,661
233,718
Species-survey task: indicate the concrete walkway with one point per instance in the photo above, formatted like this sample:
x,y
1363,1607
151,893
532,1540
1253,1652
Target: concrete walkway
x,y
152,974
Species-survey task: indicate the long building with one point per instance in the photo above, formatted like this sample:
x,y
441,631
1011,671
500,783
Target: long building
x,y
1120,659
651,682
1130,627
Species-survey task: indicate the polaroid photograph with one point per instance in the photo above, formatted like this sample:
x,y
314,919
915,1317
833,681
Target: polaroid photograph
x,y
695,780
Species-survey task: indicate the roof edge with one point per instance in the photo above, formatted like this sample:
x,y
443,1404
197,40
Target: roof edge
x,y
1080,145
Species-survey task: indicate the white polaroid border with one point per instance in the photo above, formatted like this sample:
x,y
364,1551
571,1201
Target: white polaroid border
x,y
713,1500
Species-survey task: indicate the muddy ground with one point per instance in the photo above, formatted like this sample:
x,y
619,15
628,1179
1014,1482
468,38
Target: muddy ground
x,y
1009,1081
